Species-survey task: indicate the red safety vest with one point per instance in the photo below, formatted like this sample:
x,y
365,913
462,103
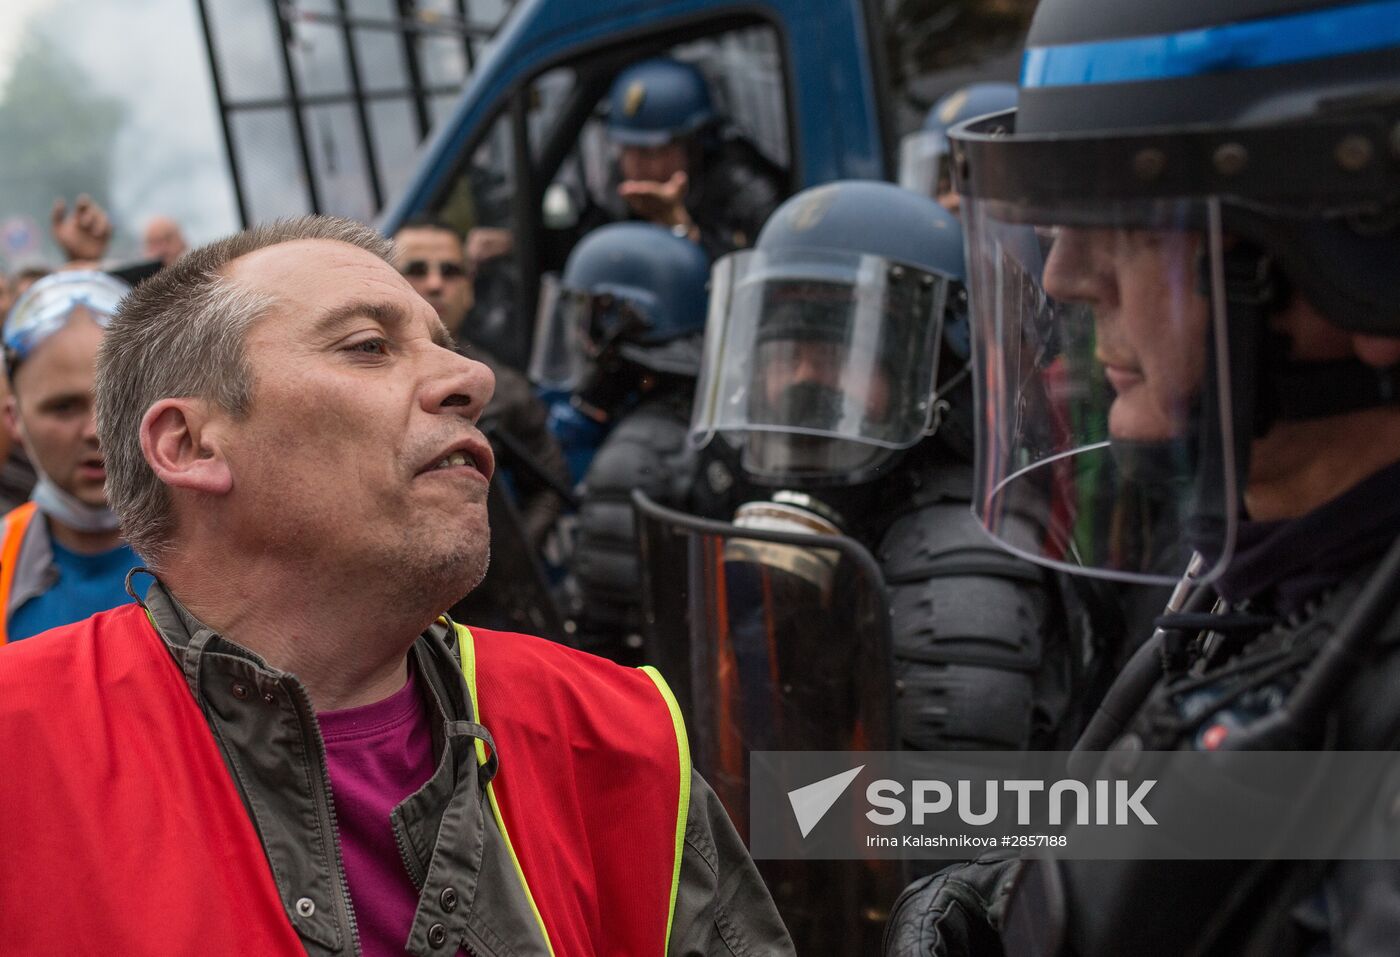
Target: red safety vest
x,y
121,831
16,524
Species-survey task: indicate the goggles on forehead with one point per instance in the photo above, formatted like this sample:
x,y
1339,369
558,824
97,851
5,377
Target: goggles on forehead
x,y
45,307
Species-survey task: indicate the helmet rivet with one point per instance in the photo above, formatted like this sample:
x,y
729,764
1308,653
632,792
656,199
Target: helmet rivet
x,y
1354,153
1231,159
1149,164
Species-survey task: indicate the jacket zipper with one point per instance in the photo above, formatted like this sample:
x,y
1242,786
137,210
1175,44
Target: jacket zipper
x,y
410,862
326,804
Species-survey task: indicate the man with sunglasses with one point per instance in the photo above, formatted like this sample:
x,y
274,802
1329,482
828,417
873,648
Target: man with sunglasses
x,y
432,259
62,557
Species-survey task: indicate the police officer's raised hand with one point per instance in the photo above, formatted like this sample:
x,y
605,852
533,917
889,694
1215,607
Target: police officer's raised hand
x,y
660,203
84,232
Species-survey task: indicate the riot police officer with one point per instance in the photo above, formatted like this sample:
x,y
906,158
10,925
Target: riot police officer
x,y
1207,333
836,399
681,167
622,332
925,160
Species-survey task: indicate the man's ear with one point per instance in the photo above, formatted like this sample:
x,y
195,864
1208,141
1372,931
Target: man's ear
x,y
11,412
181,443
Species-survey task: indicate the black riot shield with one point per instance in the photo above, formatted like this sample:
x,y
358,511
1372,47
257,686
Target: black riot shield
x,y
776,641
515,594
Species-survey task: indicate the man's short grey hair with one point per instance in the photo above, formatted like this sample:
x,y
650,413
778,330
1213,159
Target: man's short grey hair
x,y
182,334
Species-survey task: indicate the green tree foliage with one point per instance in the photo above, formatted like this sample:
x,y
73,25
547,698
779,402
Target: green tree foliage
x,y
57,135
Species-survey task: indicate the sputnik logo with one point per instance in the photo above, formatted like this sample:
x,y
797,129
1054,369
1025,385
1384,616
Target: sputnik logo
x,y
811,802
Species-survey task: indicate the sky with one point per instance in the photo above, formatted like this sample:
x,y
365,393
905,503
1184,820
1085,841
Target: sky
x,y
15,16
149,55
170,157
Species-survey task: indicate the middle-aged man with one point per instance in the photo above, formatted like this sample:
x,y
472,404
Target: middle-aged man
x,y
163,240
433,261
285,748
1184,249
62,557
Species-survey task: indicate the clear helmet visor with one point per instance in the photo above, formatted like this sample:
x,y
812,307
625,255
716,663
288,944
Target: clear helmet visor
x,y
1104,434
574,327
823,362
925,163
556,357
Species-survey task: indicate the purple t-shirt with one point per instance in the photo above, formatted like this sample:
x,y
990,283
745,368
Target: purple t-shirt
x,y
377,755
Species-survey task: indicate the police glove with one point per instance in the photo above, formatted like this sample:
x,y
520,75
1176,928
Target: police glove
x,y
954,913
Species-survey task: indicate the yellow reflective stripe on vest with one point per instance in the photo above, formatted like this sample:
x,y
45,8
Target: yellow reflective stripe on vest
x,y
467,646
683,809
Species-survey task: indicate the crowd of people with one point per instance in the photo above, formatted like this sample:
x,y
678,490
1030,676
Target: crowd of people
x,y
1103,351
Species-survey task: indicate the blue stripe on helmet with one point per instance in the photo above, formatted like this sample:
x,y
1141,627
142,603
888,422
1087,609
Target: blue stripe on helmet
x,y
1276,41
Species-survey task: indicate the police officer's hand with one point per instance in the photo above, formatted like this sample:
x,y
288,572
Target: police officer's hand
x,y
84,232
953,913
660,203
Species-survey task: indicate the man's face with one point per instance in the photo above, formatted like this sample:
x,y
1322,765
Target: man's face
x,y
433,262
358,399
163,240
653,164
1149,321
51,411
790,367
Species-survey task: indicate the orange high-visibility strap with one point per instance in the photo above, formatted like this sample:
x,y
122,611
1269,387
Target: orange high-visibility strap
x,y
16,524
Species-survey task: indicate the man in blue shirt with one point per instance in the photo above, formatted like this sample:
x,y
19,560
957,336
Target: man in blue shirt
x,y
62,557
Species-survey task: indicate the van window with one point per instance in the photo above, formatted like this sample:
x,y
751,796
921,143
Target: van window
x,y
546,173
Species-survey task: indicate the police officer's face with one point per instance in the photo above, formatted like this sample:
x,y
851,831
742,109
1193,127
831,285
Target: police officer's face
x,y
653,164
1149,320
360,450
433,262
791,363
51,411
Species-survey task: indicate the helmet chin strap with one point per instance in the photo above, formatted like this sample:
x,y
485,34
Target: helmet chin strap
x,y
1251,289
1316,390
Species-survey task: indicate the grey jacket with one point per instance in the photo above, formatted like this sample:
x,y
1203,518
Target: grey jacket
x,y
470,896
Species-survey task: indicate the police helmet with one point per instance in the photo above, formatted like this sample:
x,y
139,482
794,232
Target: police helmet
x,y
1173,177
657,101
632,290
823,347
924,162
